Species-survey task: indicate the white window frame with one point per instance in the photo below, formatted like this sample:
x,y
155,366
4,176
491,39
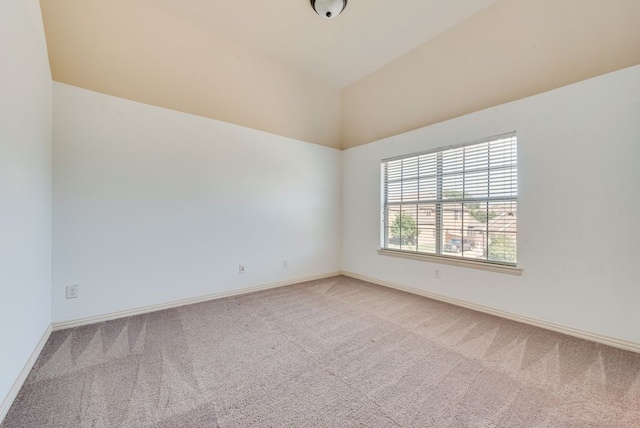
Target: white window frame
x,y
437,256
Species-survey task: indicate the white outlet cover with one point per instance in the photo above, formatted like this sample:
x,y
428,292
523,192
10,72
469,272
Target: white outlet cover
x,y
73,291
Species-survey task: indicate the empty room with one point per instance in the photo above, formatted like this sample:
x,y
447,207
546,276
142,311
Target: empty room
x,y
319,213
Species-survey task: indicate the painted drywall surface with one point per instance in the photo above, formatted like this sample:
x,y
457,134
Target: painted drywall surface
x,y
578,209
25,186
508,51
144,52
153,205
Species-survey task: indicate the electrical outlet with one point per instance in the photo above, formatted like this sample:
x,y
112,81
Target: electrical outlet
x,y
436,273
240,268
73,291
285,264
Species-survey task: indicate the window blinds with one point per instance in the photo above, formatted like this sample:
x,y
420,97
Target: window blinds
x,y
458,201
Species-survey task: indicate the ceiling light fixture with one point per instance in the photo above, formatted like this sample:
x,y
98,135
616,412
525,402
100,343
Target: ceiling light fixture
x,y
328,8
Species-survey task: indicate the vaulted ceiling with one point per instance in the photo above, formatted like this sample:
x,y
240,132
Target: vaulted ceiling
x,y
366,36
278,67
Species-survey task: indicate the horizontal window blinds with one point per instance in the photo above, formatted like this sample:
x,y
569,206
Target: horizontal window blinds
x,y
457,202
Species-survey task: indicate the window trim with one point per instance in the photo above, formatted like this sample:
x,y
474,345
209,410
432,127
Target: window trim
x,y
453,261
486,265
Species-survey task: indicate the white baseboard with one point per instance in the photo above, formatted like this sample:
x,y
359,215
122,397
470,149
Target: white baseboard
x,y
15,388
177,303
594,337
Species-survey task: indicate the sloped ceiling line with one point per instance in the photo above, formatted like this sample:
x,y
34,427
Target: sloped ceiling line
x,y
378,69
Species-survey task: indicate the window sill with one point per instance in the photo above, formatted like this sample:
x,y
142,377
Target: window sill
x,y
511,270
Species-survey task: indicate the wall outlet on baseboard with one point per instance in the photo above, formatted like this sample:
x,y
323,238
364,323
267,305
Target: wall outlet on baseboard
x,y
240,268
73,291
285,264
436,273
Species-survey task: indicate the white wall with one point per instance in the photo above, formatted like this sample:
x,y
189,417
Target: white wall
x,y
25,187
578,212
153,205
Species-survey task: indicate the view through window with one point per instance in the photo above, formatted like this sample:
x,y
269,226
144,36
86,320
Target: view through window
x,y
458,201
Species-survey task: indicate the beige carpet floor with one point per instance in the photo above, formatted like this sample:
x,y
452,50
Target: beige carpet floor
x,y
329,353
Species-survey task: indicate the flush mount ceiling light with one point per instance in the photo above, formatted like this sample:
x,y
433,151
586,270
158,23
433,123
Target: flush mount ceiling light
x,y
328,8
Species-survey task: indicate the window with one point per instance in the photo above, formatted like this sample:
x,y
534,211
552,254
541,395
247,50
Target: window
x,y
458,202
